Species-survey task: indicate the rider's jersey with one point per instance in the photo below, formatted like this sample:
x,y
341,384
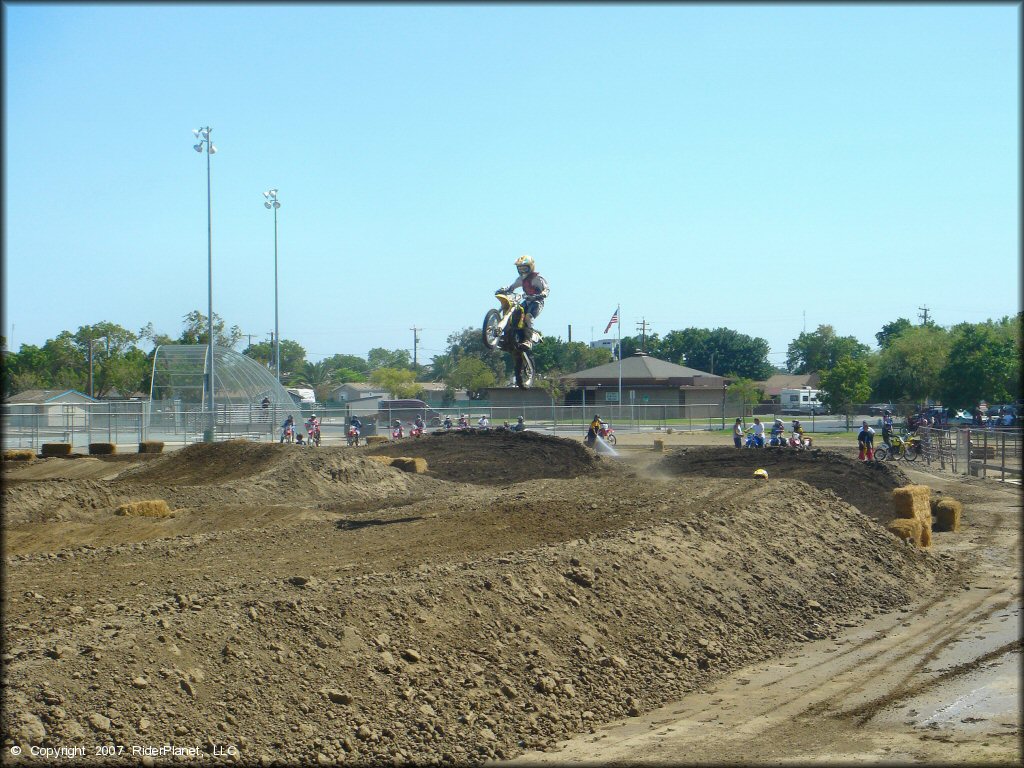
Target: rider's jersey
x,y
533,285
596,425
312,425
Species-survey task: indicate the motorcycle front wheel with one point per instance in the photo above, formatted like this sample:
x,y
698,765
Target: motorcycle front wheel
x,y
490,329
881,454
911,453
524,369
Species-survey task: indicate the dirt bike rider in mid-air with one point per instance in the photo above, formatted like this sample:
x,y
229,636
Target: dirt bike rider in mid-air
x,y
535,289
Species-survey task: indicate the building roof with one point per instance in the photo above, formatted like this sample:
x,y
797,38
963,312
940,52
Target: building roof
x,y
49,396
641,368
774,385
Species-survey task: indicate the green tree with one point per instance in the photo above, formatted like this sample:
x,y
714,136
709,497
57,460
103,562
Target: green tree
x,y
293,356
715,350
746,392
554,354
316,376
983,364
400,382
353,363
844,384
821,350
891,330
195,330
469,343
472,375
378,357
909,365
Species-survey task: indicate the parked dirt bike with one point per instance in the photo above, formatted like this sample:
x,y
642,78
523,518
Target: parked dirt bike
x,y
352,436
607,434
505,329
907,447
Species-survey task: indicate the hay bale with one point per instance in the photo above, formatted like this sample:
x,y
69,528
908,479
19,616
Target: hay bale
x,y
102,449
151,446
907,529
947,515
19,454
376,439
55,449
659,446
913,501
385,460
415,465
151,508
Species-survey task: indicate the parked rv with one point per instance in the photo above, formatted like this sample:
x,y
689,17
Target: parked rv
x,y
802,401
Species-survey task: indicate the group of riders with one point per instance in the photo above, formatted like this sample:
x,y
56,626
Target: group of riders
x,y
289,434
776,437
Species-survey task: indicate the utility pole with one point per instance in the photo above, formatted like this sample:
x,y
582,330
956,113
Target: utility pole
x,y
924,315
90,366
415,344
642,327
272,352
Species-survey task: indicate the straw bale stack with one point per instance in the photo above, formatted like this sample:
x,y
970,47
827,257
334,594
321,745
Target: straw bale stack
x,y
19,454
151,446
151,508
913,502
947,514
55,449
415,465
907,529
102,449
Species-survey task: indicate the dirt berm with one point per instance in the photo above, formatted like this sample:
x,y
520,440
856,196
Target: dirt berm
x,y
372,615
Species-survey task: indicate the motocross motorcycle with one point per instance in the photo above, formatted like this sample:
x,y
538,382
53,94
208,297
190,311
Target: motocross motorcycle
x,y
397,432
777,440
352,436
607,434
415,431
506,328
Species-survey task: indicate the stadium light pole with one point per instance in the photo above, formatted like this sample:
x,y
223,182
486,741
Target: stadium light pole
x,y
205,144
271,202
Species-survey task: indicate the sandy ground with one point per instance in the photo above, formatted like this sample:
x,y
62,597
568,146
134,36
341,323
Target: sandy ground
x,y
524,599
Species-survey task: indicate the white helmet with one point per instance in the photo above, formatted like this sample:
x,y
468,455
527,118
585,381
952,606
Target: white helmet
x,y
525,264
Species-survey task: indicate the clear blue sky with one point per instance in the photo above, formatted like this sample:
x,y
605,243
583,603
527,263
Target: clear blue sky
x,y
746,166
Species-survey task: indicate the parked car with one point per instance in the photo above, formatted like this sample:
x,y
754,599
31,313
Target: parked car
x,y
407,410
998,411
880,408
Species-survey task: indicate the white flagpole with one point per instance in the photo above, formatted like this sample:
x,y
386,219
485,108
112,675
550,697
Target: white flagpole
x,y
618,314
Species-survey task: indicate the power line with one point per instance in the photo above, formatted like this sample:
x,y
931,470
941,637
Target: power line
x,y
415,343
642,326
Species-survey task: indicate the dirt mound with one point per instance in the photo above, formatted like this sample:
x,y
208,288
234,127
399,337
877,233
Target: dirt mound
x,y
211,463
306,648
865,485
496,457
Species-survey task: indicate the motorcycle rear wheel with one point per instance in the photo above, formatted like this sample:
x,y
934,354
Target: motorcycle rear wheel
x,y
490,329
524,369
610,439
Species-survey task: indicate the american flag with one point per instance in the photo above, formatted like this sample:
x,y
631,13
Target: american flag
x,y
613,321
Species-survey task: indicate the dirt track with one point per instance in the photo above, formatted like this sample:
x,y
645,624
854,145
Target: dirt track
x,y
318,606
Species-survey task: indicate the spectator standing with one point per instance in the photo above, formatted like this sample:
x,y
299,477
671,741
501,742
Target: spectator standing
x,y
737,433
866,442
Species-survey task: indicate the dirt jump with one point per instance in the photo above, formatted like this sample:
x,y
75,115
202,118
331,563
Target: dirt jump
x,y
499,596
